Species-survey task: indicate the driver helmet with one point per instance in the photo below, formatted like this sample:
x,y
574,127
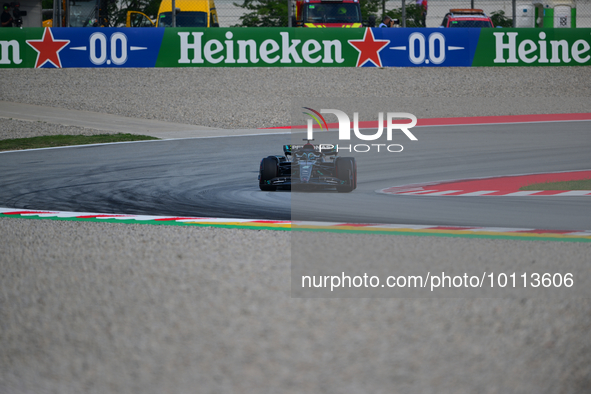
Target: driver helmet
x,y
308,147
341,11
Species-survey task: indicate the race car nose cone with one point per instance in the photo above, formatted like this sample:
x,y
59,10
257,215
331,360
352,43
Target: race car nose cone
x,y
305,172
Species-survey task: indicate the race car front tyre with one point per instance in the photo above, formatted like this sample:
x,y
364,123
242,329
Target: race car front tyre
x,y
347,171
268,172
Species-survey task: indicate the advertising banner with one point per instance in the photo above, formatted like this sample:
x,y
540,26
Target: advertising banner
x,y
284,47
259,47
533,47
79,47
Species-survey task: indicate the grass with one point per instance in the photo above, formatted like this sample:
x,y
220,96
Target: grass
x,y
65,140
583,184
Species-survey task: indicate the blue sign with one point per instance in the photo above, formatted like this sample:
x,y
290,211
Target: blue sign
x,y
114,47
436,47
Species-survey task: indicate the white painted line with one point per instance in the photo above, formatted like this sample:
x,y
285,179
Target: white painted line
x,y
361,226
143,217
216,220
119,217
300,223
44,214
78,146
501,229
413,193
573,193
441,193
522,193
133,142
57,214
401,226
393,190
478,193
500,123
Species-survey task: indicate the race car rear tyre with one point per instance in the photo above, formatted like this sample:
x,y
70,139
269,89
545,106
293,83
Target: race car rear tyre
x,y
268,172
347,171
354,173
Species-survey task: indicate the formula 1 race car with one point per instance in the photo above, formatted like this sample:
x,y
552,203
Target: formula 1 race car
x,y
311,167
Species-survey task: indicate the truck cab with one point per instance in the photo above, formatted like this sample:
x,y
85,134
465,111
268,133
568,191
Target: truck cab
x,y
466,17
189,13
328,13
79,13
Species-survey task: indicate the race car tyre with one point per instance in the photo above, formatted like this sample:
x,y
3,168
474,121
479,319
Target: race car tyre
x,y
268,172
354,164
347,171
354,173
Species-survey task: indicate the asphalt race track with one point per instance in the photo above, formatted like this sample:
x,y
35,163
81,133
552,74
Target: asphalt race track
x,y
217,177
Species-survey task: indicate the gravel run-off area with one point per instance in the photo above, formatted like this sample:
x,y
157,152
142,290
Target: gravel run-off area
x,y
253,98
119,308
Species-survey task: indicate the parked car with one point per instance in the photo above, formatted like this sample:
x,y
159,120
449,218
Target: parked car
x,y
466,17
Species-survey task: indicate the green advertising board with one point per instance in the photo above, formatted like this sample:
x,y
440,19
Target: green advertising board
x,y
269,47
533,47
14,52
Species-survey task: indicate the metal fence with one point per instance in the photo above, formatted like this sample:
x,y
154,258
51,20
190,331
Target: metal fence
x,y
437,9
528,13
229,14
525,10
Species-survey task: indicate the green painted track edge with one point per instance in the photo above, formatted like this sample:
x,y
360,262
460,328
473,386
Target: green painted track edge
x,y
336,230
152,222
441,234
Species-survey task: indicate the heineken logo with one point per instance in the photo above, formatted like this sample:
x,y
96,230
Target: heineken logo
x,y
509,48
281,49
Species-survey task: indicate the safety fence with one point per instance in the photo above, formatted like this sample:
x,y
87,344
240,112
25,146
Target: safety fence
x,y
527,13
532,13
282,13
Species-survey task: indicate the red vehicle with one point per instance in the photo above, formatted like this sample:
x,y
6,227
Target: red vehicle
x,y
329,13
468,17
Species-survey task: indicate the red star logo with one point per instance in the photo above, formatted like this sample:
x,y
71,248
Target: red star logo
x,y
368,48
48,49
